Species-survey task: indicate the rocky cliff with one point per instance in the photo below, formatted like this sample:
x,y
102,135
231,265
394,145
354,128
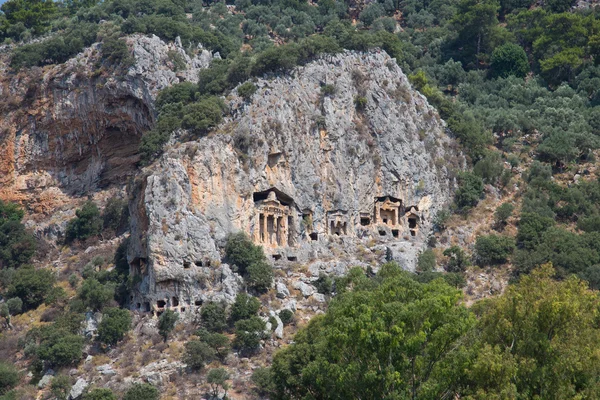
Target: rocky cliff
x,y
71,129
339,163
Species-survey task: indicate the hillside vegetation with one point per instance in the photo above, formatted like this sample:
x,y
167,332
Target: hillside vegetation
x,y
518,85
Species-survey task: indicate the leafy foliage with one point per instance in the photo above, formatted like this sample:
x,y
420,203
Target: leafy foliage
x,y
166,323
407,331
142,391
9,376
493,249
114,325
214,317
245,306
87,223
16,244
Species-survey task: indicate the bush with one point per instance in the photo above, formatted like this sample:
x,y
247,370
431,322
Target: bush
x,y
263,380
200,116
360,102
493,249
502,214
259,276
426,261
59,347
286,316
9,376
531,228
216,341
142,391
245,306
214,317
241,252
166,323
14,305
95,295
248,334
469,192
324,284
328,90
246,90
31,286
115,324
60,387
509,59
217,377
115,51
16,244
197,354
100,394
86,224
457,259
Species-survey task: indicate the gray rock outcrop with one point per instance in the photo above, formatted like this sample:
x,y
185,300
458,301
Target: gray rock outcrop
x,y
341,179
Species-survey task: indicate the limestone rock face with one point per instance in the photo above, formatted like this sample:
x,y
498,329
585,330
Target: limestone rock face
x,y
337,164
68,130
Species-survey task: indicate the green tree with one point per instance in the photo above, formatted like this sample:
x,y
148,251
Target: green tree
x,y
259,276
457,259
197,354
96,295
241,252
245,306
286,316
115,214
493,249
142,391
469,192
217,378
60,387
502,214
33,14
59,347
216,341
116,322
537,341
87,223
390,337
246,90
16,244
426,261
99,394
166,323
509,59
531,228
476,23
248,334
9,376
31,285
214,317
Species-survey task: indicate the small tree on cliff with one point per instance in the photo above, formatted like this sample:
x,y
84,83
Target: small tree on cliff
x,y
166,323
250,261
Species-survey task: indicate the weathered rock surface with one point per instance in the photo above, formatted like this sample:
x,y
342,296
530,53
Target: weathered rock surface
x,y
70,129
78,389
311,177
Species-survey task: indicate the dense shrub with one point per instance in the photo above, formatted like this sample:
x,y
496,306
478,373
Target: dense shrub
x,y
9,376
87,223
214,317
96,295
197,354
114,325
218,342
248,334
245,306
217,377
166,323
457,259
426,261
286,316
469,192
142,391
324,284
502,214
250,261
509,59
31,285
99,394
58,346
60,387
493,249
246,90
16,244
